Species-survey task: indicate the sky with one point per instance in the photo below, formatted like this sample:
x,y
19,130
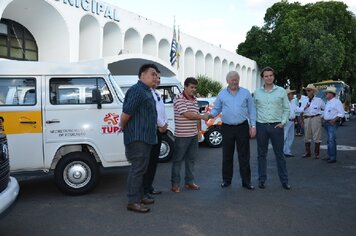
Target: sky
x,y
220,22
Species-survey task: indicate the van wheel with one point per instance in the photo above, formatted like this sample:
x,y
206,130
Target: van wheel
x,y
167,147
213,137
76,173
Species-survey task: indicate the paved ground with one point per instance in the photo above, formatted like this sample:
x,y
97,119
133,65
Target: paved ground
x,y
321,202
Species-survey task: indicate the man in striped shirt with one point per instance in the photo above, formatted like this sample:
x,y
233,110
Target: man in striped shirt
x,y
139,123
186,117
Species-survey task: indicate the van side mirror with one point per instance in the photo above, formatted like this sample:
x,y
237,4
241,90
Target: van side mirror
x,y
96,95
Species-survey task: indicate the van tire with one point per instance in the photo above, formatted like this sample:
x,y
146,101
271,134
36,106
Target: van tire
x,y
167,148
81,164
213,137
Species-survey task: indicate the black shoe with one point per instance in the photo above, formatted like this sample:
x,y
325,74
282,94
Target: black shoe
x,y
147,201
331,161
137,207
248,186
289,155
262,185
155,192
286,186
225,184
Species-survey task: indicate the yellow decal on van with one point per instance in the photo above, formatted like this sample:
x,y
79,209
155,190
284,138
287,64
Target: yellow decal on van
x,y
22,122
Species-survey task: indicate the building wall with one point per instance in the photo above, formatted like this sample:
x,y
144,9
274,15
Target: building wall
x,y
70,31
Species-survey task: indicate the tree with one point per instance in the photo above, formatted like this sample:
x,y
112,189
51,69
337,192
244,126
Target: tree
x,y
207,87
305,43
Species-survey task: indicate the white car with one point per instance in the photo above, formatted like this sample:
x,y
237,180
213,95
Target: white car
x,y
9,188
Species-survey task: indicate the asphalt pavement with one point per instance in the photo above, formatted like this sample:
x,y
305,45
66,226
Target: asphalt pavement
x,y
321,201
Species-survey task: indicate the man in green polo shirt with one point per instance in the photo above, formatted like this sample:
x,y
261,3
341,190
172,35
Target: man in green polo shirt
x,y
272,108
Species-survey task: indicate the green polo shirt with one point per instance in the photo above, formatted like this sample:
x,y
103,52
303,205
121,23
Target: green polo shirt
x,y
272,106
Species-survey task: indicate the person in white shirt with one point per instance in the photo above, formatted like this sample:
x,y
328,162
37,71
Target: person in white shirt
x,y
334,111
313,107
155,151
289,126
299,115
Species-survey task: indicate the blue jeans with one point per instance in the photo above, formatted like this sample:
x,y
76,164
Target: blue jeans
x,y
185,149
331,141
265,132
138,154
288,137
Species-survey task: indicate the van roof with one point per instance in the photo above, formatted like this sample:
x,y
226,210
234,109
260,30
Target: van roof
x,y
13,67
128,80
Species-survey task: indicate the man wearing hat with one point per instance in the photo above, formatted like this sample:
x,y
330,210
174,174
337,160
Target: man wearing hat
x,y
334,111
289,126
313,107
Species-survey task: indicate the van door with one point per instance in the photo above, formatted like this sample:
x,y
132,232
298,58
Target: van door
x,y
21,112
73,118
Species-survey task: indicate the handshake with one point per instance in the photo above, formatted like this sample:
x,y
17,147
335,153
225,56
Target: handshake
x,y
206,116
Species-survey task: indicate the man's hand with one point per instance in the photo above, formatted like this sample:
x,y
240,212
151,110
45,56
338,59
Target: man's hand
x,y
280,125
205,116
252,132
163,129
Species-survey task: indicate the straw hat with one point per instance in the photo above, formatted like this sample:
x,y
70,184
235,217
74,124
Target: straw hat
x,y
288,91
311,87
330,89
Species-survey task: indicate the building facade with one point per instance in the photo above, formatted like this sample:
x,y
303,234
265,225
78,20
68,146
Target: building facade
x,y
77,30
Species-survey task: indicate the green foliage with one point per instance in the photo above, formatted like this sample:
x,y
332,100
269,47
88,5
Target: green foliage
x,y
305,43
207,87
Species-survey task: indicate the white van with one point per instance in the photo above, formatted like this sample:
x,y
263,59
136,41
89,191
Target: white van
x,y
62,117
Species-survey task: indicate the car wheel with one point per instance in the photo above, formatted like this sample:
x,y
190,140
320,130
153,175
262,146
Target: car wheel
x,y
213,137
167,147
76,173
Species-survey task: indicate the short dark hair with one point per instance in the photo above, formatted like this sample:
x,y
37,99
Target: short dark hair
x,y
267,68
145,67
190,80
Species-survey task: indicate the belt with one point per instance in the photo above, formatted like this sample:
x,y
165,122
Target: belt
x,y
291,119
272,123
236,125
311,116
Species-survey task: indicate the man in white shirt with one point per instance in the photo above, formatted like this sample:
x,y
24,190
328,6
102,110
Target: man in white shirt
x,y
313,107
289,126
334,111
154,156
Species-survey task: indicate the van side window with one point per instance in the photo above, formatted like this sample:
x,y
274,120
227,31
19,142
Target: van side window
x,y
78,91
168,93
17,92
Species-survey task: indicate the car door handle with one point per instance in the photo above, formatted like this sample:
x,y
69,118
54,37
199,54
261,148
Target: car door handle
x,y
28,122
52,121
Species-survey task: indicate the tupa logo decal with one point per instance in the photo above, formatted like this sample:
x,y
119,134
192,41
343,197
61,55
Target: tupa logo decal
x,y
112,124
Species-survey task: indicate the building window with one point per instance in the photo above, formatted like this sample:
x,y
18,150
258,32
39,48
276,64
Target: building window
x,y
16,42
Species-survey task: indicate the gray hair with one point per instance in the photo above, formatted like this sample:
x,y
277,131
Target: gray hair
x,y
231,74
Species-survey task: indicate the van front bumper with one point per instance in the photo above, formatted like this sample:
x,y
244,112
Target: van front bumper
x,y
8,196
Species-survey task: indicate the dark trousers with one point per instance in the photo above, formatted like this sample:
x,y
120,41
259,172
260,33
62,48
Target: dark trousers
x,y
236,135
264,133
152,165
137,153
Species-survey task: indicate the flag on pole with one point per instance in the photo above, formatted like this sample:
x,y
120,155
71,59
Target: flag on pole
x,y
173,54
178,50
